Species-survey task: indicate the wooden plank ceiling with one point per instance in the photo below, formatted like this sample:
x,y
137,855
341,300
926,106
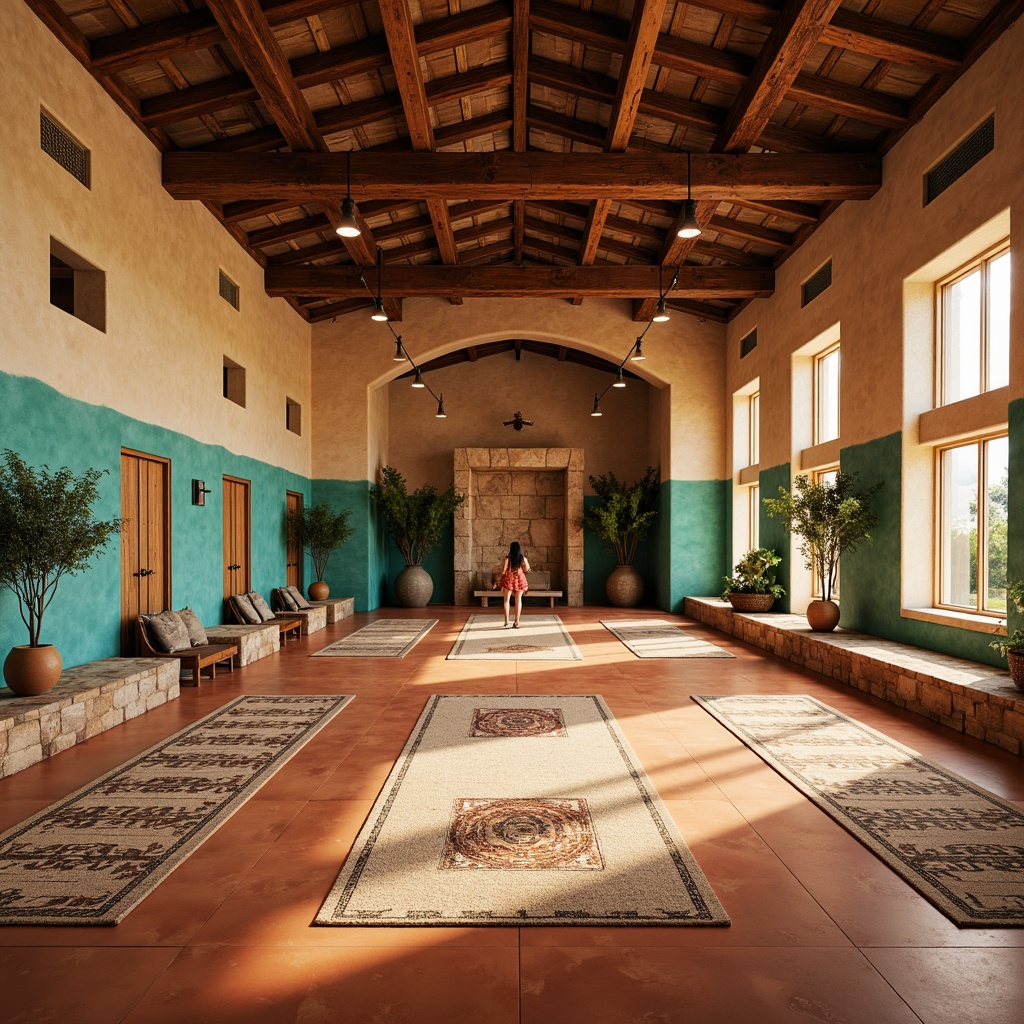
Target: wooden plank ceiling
x,y
524,147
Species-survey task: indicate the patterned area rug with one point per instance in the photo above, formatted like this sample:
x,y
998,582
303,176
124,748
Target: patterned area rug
x,y
385,638
958,845
519,810
538,638
658,638
93,856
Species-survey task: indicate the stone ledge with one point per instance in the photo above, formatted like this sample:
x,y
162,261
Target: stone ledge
x,y
87,700
338,608
253,642
971,698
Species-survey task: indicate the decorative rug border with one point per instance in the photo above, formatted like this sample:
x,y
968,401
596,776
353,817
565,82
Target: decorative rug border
x,y
465,638
336,650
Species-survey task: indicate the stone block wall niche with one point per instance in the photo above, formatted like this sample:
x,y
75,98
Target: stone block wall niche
x,y
533,495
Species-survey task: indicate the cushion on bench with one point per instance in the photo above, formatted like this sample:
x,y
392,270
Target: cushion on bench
x,y
167,631
196,633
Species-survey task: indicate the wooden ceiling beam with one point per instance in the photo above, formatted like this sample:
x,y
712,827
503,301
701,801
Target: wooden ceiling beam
x,y
466,27
566,127
472,128
439,176
318,314
802,213
520,101
487,253
752,232
288,230
728,254
521,282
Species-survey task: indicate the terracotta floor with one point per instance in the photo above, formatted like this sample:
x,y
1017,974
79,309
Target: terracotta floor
x,y
822,932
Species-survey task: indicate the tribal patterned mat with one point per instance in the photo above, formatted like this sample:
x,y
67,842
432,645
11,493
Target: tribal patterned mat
x,y
538,638
385,638
658,638
959,846
95,855
519,810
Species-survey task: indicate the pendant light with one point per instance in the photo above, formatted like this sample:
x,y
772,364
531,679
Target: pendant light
x,y
638,351
661,314
619,381
689,228
348,226
399,356
418,381
597,406
378,303
440,414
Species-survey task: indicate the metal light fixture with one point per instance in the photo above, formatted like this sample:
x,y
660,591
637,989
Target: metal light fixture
x,y
399,356
348,226
619,381
689,228
199,492
661,315
378,303
418,381
638,351
597,406
441,414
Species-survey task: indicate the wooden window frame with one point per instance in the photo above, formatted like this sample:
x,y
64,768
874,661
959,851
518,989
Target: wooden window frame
x,y
816,388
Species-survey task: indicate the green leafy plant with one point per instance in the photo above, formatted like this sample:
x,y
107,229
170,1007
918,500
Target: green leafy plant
x,y
417,519
753,574
829,518
319,530
1013,641
625,513
47,531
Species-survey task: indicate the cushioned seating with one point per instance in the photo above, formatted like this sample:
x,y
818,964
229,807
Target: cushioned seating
x,y
244,610
290,602
193,659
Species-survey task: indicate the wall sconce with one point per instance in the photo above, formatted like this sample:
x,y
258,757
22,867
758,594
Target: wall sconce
x,y
199,492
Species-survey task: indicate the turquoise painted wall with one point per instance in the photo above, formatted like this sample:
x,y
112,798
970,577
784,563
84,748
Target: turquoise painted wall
x,y
773,533
83,621
353,570
870,599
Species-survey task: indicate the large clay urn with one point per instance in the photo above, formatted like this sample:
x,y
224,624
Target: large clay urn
x,y
32,670
823,616
624,587
413,587
319,591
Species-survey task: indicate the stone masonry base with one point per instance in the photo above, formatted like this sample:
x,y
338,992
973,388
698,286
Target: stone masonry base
x,y
975,699
254,642
87,700
338,608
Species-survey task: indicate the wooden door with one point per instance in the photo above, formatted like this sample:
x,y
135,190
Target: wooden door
x,y
293,563
237,572
145,541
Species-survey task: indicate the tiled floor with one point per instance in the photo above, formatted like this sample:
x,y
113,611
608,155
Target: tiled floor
x,y
822,932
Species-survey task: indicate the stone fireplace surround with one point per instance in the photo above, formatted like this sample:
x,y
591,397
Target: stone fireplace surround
x,y
533,495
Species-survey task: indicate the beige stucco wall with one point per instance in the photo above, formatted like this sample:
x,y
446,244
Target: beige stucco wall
x,y
353,357
874,247
167,329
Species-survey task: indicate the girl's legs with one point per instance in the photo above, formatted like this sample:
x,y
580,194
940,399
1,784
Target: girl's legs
x,y
505,595
519,605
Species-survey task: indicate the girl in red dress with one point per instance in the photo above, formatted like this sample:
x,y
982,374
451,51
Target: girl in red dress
x,y
513,580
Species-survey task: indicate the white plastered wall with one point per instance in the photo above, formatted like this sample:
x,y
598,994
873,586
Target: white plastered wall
x,y
167,328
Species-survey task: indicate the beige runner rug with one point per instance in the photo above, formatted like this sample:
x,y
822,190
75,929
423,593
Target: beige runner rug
x,y
958,845
519,810
93,856
385,638
538,638
658,638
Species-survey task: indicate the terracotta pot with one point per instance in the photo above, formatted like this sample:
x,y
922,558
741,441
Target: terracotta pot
x,y
32,670
823,616
319,591
1015,659
750,602
413,587
624,587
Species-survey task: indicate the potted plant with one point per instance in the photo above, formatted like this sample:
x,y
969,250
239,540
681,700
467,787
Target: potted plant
x,y
753,587
830,518
319,530
47,531
622,518
415,521
1011,646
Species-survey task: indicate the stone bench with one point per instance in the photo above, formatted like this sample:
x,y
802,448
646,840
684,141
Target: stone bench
x,y
967,696
88,699
338,608
313,619
253,642
485,595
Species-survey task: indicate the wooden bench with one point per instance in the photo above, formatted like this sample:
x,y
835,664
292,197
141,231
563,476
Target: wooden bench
x,y
484,595
195,659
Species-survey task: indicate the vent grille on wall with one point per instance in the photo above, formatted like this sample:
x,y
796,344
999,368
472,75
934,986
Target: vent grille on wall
x,y
228,290
980,142
56,142
748,343
816,283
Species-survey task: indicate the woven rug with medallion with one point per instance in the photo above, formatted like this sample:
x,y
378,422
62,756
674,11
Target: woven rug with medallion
x,y
519,810
93,856
958,845
384,638
537,638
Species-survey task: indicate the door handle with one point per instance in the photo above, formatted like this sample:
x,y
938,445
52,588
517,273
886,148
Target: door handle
x,y
148,572
139,572
233,567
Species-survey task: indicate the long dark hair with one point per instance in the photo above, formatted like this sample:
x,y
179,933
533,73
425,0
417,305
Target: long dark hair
x,y
515,555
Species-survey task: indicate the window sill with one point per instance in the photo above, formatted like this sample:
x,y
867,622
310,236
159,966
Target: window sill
x,y
960,620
